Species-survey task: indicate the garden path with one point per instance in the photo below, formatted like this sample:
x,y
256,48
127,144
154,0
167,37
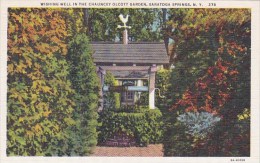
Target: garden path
x,y
152,150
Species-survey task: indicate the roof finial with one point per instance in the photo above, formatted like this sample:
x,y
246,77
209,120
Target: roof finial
x,y
124,20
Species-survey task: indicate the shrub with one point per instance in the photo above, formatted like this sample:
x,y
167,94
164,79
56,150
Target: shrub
x,y
111,99
198,124
39,104
176,141
187,135
83,135
145,125
229,139
162,81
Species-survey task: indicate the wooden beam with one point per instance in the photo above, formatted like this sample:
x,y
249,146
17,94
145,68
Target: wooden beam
x,y
125,88
125,68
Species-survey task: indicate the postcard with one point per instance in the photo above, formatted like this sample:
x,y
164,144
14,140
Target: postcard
x,y
129,81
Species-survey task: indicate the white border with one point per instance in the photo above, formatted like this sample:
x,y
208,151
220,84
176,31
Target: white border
x,y
255,60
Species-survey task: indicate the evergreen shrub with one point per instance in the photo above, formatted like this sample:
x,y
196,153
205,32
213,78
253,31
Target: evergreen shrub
x,y
198,124
145,125
83,135
111,99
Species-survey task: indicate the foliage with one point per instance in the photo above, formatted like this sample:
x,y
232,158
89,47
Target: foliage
x,y
211,55
144,99
162,81
228,140
143,124
111,99
188,134
145,23
85,83
39,104
198,124
74,18
177,142
52,94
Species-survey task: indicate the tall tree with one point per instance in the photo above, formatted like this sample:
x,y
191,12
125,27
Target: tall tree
x,y
145,23
86,85
211,54
39,104
47,115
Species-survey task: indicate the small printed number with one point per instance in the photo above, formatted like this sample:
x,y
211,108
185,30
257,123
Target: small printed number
x,y
212,4
239,159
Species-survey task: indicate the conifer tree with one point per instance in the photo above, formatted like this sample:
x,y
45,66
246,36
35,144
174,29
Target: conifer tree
x,y
86,85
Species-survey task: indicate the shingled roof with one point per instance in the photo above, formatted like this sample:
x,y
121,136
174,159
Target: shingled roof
x,y
136,53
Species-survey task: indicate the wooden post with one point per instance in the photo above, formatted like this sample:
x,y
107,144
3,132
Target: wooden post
x,y
101,74
139,83
152,87
125,37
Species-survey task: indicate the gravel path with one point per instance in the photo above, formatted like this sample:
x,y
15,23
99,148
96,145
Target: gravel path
x,y
153,150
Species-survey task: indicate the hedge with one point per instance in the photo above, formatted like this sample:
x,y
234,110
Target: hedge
x,y
145,125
